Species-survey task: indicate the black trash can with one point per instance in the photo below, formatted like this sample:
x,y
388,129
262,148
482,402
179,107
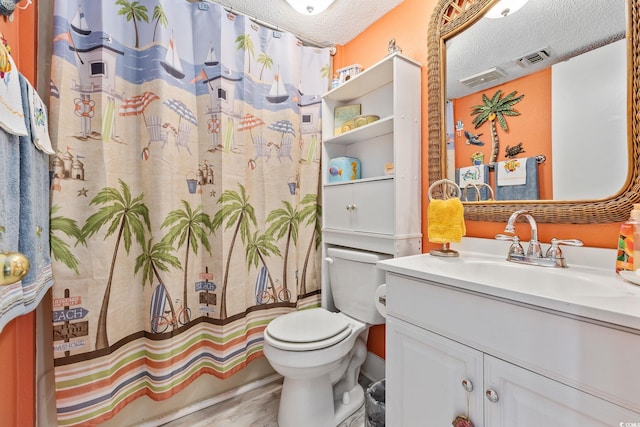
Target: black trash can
x,y
374,404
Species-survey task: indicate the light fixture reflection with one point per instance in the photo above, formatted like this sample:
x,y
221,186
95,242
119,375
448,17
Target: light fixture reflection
x,y
310,7
505,8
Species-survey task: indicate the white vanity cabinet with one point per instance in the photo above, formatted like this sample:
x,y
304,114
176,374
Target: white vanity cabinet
x,y
381,210
452,351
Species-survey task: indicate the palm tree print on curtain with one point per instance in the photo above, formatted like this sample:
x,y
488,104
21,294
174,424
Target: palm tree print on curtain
x,y
177,195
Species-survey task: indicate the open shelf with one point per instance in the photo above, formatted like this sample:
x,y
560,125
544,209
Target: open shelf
x,y
369,131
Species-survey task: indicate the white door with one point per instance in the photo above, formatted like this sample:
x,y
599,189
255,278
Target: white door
x,y
425,374
525,399
337,210
374,204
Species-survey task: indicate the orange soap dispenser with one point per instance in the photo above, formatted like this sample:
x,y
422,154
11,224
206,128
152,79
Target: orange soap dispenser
x,y
628,258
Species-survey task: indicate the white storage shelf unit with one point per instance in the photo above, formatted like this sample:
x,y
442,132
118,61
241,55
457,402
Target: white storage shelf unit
x,y
377,212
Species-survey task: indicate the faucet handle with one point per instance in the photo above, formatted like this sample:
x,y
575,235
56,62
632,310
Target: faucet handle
x,y
516,247
554,251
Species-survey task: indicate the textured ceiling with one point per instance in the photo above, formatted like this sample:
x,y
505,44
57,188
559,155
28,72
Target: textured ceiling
x,y
337,25
563,28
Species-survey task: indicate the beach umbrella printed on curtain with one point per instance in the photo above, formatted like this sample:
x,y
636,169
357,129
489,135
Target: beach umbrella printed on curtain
x,y
182,110
284,126
136,105
248,122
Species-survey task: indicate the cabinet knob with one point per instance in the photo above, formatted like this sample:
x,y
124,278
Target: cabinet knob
x,y
353,206
492,395
467,385
14,267
348,207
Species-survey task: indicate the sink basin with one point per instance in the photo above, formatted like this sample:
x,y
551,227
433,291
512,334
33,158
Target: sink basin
x,y
589,287
552,282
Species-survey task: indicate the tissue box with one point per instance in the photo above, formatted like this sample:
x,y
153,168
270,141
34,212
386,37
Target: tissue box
x,y
343,169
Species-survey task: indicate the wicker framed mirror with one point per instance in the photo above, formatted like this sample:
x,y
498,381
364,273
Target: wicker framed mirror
x,y
452,16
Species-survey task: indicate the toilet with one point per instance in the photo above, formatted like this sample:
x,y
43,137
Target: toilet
x,y
319,352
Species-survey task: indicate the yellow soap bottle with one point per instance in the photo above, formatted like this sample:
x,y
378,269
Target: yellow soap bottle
x,y
628,258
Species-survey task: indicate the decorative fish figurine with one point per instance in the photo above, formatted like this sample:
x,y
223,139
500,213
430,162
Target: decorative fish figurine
x,y
334,171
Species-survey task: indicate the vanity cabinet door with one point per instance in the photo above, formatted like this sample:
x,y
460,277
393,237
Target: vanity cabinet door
x,y
424,378
527,399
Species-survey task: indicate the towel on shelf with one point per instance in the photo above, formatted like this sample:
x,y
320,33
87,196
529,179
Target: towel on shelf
x,y
511,172
446,220
527,191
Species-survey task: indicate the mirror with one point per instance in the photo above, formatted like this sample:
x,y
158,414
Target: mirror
x,y
452,19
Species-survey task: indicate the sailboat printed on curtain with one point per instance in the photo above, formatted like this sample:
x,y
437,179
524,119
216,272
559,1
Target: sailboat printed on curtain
x,y
277,93
79,23
171,63
211,59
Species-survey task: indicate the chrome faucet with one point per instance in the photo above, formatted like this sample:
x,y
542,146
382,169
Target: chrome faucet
x,y
534,249
553,257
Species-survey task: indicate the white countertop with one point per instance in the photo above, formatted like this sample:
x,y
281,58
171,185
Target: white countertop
x,y
589,288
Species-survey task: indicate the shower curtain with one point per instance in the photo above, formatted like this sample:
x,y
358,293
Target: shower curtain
x,y
184,208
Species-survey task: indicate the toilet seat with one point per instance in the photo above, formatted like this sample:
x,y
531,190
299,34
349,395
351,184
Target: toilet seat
x,y
307,330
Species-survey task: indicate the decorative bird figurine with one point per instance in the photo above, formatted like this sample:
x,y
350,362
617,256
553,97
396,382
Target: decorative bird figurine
x,y
473,139
393,47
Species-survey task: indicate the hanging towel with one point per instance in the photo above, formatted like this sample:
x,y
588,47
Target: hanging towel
x,y
39,121
11,111
33,240
446,220
511,172
471,175
529,190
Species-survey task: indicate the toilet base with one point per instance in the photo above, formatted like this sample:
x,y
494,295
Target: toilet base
x,y
315,407
344,410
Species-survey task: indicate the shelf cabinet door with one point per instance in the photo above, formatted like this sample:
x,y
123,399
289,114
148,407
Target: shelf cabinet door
x,y
424,378
337,207
360,206
527,399
374,205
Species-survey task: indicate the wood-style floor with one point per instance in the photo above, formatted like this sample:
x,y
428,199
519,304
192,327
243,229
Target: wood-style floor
x,y
256,408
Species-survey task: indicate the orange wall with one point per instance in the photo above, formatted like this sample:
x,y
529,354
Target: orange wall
x,y
17,340
408,23
532,127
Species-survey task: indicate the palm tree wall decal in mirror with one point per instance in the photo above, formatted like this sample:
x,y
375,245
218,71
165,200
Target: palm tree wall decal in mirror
x,y
451,20
492,110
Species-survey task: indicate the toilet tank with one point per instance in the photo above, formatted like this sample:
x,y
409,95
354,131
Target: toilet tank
x,y
354,278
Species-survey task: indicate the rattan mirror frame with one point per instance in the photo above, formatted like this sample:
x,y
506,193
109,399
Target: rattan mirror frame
x,y
452,16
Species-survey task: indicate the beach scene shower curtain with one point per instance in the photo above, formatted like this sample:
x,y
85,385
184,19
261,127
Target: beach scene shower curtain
x,y
184,206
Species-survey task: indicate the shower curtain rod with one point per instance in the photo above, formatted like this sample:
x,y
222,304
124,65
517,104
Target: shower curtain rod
x,y
305,41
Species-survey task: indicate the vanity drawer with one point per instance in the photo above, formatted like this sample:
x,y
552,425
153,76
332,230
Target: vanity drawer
x,y
592,357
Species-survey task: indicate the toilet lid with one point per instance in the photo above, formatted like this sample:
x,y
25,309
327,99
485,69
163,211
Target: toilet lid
x,y
308,326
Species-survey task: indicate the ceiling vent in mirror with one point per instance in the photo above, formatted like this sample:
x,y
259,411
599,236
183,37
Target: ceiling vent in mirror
x,y
534,57
490,75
